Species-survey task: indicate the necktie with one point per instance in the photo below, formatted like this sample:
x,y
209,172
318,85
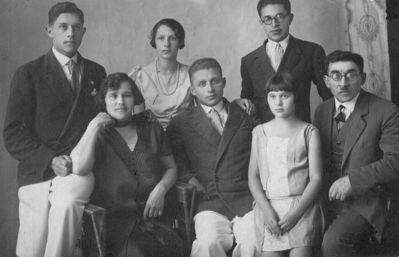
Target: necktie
x,y
278,55
73,69
216,120
339,117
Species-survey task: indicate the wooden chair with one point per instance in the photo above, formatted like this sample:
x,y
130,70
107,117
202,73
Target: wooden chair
x,y
92,242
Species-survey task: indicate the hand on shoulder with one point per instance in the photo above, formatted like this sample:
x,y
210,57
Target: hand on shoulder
x,y
133,73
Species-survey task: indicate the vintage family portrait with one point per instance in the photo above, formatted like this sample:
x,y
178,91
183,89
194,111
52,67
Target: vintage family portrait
x,y
176,128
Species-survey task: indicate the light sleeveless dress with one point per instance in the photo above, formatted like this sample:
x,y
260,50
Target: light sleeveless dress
x,y
283,167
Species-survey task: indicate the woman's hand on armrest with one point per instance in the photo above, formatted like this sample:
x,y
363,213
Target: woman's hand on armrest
x,y
155,202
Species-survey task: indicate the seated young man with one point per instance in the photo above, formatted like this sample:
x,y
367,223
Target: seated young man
x,y
211,143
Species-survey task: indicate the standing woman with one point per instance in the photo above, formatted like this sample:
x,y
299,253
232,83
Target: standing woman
x,y
165,83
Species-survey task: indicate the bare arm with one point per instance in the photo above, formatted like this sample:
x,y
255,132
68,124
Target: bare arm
x,y
256,189
83,154
312,189
156,200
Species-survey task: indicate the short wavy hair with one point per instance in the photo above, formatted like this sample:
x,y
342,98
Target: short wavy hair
x,y
113,82
263,3
64,7
343,56
173,25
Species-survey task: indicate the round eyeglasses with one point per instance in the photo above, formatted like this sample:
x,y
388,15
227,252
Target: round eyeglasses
x,y
267,20
350,76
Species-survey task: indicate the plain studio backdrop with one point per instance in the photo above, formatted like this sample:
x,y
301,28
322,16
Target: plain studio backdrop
x,y
117,37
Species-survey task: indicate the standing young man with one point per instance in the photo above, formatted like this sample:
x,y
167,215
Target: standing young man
x,y
281,52
50,105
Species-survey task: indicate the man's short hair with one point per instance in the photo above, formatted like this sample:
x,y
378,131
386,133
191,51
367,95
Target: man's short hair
x,y
174,25
263,3
64,7
204,64
343,56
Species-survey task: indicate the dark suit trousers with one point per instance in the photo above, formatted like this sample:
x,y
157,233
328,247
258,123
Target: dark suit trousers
x,y
346,234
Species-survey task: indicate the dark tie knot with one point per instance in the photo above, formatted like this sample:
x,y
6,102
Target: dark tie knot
x,y
340,114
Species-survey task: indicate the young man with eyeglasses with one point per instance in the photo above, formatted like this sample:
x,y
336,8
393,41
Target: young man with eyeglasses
x,y
360,141
281,52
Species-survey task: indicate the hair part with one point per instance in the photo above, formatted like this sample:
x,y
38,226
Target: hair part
x,y
263,3
343,56
204,64
113,82
64,7
174,25
281,81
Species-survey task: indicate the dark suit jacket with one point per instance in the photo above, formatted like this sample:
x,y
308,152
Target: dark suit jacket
x,y
43,117
220,163
304,60
371,153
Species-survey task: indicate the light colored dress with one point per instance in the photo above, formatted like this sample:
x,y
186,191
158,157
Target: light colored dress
x,y
164,105
283,169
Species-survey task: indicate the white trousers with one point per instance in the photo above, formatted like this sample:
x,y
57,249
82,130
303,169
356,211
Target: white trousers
x,y
215,235
50,215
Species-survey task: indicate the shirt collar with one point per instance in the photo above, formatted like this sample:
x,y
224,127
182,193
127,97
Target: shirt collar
x,y
349,106
62,59
271,45
218,107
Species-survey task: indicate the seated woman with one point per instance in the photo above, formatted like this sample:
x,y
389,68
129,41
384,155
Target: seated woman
x,y
165,82
133,169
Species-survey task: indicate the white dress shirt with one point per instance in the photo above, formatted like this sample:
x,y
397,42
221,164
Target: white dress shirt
x,y
270,49
64,60
349,106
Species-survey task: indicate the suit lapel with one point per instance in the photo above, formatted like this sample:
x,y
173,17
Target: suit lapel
x,y
292,55
83,91
357,125
233,122
56,79
262,62
202,125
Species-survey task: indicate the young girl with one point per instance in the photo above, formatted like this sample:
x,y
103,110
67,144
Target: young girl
x,y
285,176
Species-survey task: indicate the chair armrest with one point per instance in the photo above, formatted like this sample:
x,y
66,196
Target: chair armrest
x,y
96,215
186,196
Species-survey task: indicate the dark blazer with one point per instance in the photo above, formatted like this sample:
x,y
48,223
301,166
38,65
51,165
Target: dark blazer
x,y
220,163
304,60
371,153
44,119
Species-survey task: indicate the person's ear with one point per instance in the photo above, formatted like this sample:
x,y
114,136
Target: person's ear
x,y
192,90
364,77
291,17
224,81
326,80
49,30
